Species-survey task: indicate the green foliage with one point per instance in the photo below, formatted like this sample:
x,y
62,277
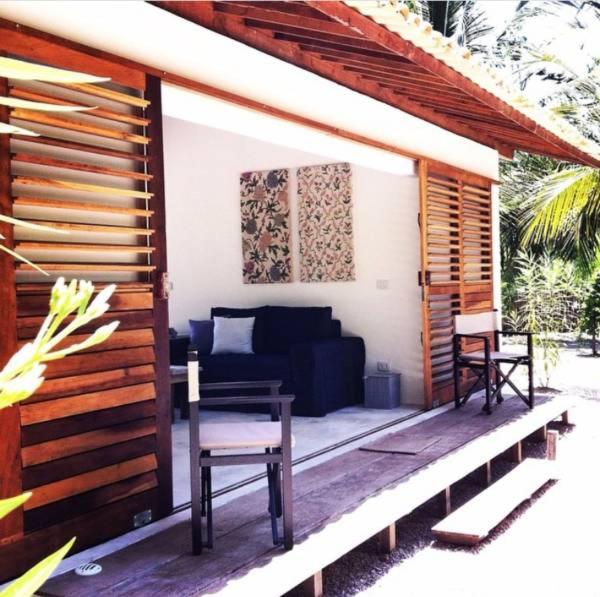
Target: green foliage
x,y
33,579
71,307
590,321
545,299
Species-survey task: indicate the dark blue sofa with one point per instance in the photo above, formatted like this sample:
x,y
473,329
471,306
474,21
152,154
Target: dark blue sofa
x,y
303,347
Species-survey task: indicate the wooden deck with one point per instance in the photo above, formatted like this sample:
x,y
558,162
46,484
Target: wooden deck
x,y
338,505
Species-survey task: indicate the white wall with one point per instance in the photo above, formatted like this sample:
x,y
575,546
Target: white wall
x,y
202,168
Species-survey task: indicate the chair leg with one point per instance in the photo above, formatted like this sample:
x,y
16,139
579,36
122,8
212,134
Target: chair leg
x,y
456,386
203,483
288,515
197,505
277,476
209,513
499,397
272,504
487,380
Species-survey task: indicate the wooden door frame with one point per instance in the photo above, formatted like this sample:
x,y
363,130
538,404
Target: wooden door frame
x,y
161,304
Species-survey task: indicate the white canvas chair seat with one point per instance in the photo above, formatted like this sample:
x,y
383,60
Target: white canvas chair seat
x,y
494,356
232,436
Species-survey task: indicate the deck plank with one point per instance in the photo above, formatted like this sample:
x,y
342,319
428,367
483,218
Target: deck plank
x,y
162,564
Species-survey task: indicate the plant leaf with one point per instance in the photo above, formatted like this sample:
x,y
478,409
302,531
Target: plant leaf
x,y
10,504
11,68
9,129
30,225
14,102
33,579
23,259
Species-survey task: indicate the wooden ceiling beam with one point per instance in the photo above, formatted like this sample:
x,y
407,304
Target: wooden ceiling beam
x,y
274,17
297,9
204,14
367,27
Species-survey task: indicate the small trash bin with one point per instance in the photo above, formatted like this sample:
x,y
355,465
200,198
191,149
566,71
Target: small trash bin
x,y
382,390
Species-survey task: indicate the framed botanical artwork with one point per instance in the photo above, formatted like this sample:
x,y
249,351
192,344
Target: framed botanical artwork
x,y
265,209
325,223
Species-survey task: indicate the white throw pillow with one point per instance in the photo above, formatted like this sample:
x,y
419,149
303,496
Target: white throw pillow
x,y
233,335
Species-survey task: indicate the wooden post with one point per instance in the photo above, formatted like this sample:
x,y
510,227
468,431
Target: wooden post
x,y
387,539
540,434
551,444
486,469
516,453
446,501
313,585
161,307
10,422
565,418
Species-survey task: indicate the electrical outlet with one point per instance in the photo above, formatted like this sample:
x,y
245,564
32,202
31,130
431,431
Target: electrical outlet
x,y
383,367
142,518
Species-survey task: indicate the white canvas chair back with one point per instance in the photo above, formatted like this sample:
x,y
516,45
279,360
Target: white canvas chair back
x,y
477,323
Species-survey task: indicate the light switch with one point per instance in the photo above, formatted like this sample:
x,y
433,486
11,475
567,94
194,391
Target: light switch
x,y
383,284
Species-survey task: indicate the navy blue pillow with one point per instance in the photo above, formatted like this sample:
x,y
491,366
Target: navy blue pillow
x,y
287,326
201,335
259,332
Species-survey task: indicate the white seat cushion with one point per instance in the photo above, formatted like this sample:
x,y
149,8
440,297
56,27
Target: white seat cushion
x,y
480,356
229,436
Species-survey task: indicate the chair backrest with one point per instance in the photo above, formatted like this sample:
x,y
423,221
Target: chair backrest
x,y
477,323
193,369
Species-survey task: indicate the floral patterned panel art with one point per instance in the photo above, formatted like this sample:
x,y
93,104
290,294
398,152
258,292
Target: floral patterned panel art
x,y
266,227
325,222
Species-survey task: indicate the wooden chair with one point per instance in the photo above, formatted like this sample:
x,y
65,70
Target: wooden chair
x,y
487,363
273,437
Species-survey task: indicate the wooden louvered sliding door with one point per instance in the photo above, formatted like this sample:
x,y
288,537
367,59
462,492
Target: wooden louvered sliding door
x,y
456,261
95,443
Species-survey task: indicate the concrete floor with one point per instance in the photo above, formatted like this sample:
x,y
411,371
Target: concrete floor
x,y
312,434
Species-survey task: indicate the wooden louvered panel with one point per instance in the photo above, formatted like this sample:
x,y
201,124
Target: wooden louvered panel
x,y
457,272
90,436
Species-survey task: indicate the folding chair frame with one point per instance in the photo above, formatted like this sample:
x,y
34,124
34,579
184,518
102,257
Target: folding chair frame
x,y
491,368
278,460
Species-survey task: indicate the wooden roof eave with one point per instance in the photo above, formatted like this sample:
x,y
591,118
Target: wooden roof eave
x,y
354,20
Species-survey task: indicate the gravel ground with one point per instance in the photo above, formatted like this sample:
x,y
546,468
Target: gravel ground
x,y
546,547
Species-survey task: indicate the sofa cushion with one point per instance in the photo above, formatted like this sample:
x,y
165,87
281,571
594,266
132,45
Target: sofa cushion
x,y
245,367
286,326
233,335
201,335
259,314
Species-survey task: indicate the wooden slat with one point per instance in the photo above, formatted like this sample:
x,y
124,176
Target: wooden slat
x,y
88,481
27,327
82,206
114,96
48,430
38,305
64,511
99,228
70,466
85,148
70,185
85,403
118,339
84,442
86,267
41,160
77,125
97,111
25,245
92,382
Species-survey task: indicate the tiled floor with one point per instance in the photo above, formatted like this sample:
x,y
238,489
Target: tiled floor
x,y
311,433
